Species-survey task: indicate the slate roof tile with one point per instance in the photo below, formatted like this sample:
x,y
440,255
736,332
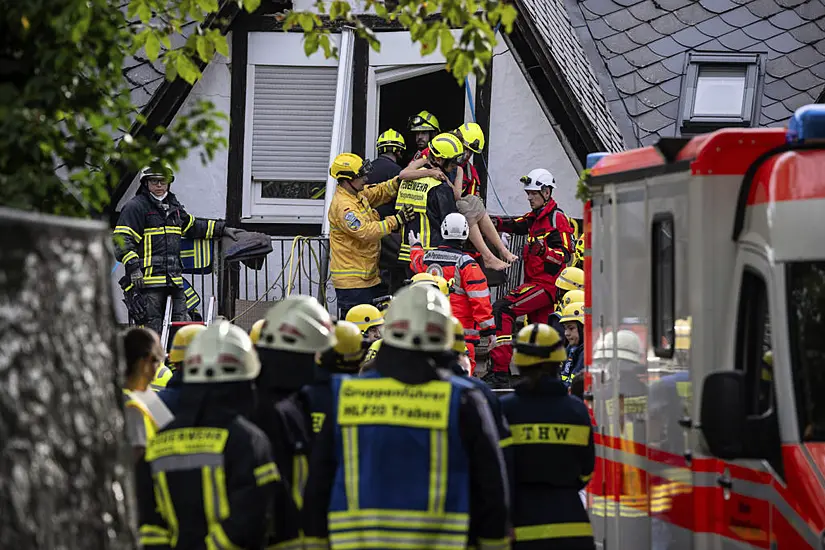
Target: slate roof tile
x,y
619,43
777,111
806,57
671,5
653,121
643,34
634,106
799,100
803,81
813,9
601,7
712,46
690,37
656,73
714,27
740,17
672,86
675,63
820,46
646,10
667,24
631,84
641,57
717,6
784,43
599,29
807,33
666,47
761,30
618,66
819,70
816,92
654,97
764,8
779,90
790,3
737,40
692,14
670,109
786,19
781,67
621,20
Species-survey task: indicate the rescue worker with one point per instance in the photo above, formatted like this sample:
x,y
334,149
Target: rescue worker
x,y
424,127
369,356
552,448
170,392
410,427
147,243
390,145
437,281
295,330
570,278
470,297
144,413
572,318
430,199
211,471
368,320
563,299
548,248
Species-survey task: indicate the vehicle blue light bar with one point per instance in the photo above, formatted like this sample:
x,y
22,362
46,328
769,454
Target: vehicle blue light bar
x,y
593,158
807,124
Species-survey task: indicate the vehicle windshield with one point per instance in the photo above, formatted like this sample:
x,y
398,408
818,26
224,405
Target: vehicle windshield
x,y
806,329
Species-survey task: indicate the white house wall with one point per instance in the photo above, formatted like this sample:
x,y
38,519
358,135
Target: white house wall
x,y
520,140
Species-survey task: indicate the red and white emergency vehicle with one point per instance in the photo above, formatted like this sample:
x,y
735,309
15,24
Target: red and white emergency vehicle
x,y
705,331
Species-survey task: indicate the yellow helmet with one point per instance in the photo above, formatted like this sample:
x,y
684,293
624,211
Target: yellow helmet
x,y
538,343
255,331
390,139
349,166
580,249
446,146
348,347
572,296
183,337
365,316
424,121
459,346
428,278
573,312
372,351
571,278
472,136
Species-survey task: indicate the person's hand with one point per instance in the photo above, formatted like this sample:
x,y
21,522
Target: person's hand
x,y
136,277
413,238
405,214
436,174
232,232
537,248
492,342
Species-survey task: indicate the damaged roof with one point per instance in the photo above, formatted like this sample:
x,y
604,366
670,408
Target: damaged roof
x,y
638,51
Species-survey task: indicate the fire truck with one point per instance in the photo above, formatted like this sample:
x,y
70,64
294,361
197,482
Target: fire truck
x,y
705,331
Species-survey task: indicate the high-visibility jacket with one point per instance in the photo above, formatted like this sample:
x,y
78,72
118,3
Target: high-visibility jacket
x,y
154,412
573,365
470,295
355,234
215,486
554,457
406,438
432,200
149,236
550,243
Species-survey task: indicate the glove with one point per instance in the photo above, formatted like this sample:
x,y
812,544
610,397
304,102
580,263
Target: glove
x,y
232,232
413,238
405,214
537,248
136,279
492,341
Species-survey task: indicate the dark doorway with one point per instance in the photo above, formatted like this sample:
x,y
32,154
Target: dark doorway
x,y
437,92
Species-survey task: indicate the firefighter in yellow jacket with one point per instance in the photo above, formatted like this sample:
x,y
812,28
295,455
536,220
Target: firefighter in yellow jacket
x,y
356,230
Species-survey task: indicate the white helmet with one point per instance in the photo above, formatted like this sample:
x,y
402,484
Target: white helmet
x,y
455,227
420,319
221,353
628,347
537,179
299,324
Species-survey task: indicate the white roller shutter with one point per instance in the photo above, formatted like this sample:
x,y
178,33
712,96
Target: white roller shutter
x,y
293,110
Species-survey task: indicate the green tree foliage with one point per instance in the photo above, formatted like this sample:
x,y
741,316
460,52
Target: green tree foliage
x,y
471,53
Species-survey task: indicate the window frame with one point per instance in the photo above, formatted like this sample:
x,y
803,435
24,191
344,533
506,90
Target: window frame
x,y
691,123
655,311
283,50
753,307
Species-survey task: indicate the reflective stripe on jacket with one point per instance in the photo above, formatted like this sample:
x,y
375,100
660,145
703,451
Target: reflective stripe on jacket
x,y
355,232
148,237
551,228
431,200
470,295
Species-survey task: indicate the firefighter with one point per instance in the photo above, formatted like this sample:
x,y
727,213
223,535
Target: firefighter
x,y
147,243
408,447
549,246
170,392
470,297
356,231
295,330
369,356
572,318
431,199
211,471
144,413
552,446
255,331
570,278
424,127
369,321
424,278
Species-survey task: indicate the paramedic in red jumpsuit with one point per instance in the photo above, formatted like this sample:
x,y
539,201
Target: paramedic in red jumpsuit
x,y
470,295
550,244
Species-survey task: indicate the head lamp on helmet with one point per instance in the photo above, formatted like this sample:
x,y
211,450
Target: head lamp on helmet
x,y
472,136
538,343
537,180
349,166
446,147
424,122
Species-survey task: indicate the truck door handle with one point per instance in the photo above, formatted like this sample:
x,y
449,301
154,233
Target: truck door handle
x,y
724,481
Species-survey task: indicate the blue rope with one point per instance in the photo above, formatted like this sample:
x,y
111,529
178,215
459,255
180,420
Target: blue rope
x,y
473,114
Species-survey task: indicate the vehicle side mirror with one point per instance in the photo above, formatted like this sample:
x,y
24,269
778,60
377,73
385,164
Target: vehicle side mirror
x,y
723,418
